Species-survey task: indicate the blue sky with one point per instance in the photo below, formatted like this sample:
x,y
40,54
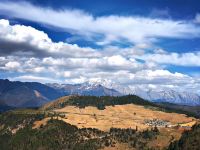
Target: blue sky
x,y
133,43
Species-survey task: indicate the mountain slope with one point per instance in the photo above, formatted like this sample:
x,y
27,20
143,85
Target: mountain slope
x,y
190,140
26,94
154,95
86,88
4,107
99,102
171,96
103,101
106,113
189,110
63,125
17,133
31,94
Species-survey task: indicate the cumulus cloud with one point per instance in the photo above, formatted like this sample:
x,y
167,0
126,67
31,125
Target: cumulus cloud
x,y
76,70
145,79
179,59
12,65
35,57
26,40
160,77
135,29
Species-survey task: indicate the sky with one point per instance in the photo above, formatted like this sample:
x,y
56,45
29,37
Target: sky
x,y
151,44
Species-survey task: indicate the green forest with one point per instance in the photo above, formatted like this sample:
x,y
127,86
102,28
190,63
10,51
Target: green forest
x,y
190,140
57,135
102,101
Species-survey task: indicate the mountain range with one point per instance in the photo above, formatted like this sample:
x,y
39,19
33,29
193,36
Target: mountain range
x,y
34,94
106,87
87,88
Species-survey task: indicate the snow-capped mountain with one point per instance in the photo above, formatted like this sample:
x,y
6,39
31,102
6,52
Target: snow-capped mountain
x,y
166,95
101,87
124,90
87,88
171,96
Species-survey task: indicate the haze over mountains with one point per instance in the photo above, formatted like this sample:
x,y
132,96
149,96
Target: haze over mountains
x,y
33,94
152,94
87,88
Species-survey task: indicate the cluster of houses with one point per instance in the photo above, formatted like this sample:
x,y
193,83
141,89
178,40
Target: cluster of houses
x,y
157,123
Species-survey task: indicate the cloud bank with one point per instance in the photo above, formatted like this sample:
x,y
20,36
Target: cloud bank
x,y
29,54
111,28
37,58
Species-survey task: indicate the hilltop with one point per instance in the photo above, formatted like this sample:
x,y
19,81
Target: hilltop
x,y
106,112
124,112
89,122
100,102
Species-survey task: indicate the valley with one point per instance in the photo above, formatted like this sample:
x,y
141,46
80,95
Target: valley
x,y
125,116
89,122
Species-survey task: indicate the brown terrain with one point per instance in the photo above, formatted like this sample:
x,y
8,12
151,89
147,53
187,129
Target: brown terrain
x,y
119,116
124,116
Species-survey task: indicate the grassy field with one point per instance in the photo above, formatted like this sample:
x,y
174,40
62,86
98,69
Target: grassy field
x,y
94,122
123,116
119,116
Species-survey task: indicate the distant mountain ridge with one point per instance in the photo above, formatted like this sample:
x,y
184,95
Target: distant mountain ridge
x,y
154,95
87,88
34,94
171,96
26,94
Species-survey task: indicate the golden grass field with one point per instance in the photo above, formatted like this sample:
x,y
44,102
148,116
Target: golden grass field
x,y
119,116
123,116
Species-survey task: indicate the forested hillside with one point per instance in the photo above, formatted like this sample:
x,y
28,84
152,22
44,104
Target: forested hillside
x,y
102,101
99,102
190,140
16,133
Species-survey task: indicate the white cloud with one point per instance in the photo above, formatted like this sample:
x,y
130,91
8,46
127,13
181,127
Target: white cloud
x,y
180,59
160,77
28,78
12,65
82,70
115,62
31,40
114,28
73,64
145,79
197,18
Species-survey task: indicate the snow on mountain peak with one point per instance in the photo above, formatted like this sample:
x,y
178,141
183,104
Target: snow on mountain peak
x,y
150,93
